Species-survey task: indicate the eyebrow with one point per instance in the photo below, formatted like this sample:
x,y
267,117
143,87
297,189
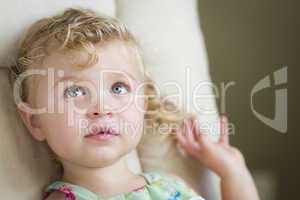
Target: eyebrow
x,y
130,75
70,77
66,78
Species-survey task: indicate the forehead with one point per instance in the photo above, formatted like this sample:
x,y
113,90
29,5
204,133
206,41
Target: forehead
x,y
113,55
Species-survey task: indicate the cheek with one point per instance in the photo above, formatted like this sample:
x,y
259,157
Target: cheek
x,y
57,128
59,134
134,120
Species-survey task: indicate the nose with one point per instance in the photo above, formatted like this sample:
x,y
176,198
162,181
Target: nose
x,y
96,113
99,107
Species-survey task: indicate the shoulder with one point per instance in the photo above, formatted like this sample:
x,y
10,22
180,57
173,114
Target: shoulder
x,y
56,195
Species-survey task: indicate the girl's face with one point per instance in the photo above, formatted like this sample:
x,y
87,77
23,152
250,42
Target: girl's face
x,y
84,102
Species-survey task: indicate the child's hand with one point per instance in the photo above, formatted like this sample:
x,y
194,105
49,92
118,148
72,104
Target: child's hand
x,y
220,157
225,160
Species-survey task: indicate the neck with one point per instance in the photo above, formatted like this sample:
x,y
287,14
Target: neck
x,y
99,180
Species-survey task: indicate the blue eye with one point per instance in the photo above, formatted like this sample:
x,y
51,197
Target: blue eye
x,y
74,91
120,88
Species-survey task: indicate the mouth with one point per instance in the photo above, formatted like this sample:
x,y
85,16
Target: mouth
x,y
102,133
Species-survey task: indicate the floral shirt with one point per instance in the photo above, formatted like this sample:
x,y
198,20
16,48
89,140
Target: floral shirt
x,y
159,187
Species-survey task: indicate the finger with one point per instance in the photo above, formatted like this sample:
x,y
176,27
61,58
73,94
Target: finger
x,y
196,128
198,135
191,140
203,140
224,137
182,140
180,137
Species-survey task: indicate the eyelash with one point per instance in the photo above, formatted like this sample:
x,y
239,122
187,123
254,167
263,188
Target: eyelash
x,y
77,87
85,92
123,83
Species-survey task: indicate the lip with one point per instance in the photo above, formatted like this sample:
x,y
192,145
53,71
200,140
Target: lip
x,y
102,133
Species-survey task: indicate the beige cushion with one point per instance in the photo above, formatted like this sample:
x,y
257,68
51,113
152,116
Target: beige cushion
x,y
25,165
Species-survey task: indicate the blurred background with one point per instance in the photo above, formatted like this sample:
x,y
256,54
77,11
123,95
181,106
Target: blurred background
x,y
247,41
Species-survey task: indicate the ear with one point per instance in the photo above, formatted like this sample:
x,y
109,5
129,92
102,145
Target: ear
x,y
31,121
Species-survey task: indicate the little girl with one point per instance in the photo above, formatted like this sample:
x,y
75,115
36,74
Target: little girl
x,y
88,103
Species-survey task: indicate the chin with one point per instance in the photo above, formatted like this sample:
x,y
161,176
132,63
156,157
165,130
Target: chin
x,y
103,158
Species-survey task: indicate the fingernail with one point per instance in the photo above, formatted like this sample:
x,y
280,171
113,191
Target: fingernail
x,y
224,117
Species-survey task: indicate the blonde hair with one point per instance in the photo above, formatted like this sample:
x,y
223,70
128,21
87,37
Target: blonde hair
x,y
74,29
81,29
